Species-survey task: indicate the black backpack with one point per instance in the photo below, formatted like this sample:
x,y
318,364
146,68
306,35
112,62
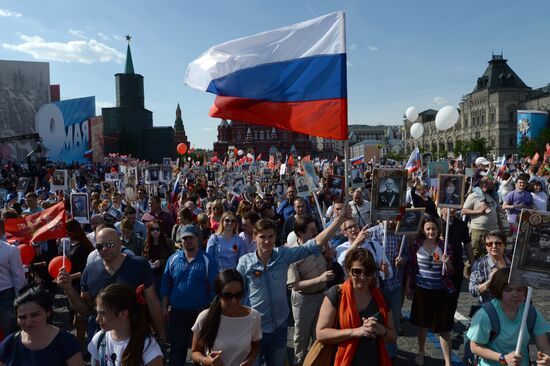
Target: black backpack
x,y
470,359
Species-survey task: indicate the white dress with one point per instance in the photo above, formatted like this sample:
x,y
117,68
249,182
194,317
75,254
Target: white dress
x,y
235,335
115,349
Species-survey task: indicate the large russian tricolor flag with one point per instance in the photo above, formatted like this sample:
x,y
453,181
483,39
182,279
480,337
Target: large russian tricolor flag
x,y
292,78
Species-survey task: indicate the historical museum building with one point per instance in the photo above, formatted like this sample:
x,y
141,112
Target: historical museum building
x,y
128,127
257,140
489,112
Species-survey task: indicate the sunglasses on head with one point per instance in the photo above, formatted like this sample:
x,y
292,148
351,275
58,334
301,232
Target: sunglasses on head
x,y
358,272
231,295
101,246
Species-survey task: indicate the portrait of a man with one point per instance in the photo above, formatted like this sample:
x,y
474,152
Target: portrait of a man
x,y
410,222
301,186
79,207
450,189
388,192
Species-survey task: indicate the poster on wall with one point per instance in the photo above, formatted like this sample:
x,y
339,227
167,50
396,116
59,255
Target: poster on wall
x,y
65,129
530,124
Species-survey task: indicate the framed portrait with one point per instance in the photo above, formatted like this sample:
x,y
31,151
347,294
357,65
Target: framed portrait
x,y
166,174
356,178
338,169
267,172
166,161
237,185
302,189
435,168
388,191
450,190
410,221
117,214
335,187
211,175
531,260
152,175
106,187
279,189
309,170
23,184
60,180
79,207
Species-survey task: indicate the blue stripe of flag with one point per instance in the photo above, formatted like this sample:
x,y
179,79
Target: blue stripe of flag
x,y
300,80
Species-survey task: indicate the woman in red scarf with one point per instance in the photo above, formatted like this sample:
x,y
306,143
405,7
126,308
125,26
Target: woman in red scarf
x,y
356,318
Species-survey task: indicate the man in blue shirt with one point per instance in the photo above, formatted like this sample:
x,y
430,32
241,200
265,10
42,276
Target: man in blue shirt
x,y
188,286
265,276
286,208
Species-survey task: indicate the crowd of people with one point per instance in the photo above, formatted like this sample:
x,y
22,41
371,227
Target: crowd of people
x,y
198,264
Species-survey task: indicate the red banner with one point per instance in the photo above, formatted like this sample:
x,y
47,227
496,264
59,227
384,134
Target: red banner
x,y
43,225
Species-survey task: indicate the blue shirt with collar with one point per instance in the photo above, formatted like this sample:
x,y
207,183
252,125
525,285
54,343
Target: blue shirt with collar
x,y
189,285
286,209
266,286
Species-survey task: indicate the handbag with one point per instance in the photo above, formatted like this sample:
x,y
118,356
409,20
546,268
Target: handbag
x,y
321,354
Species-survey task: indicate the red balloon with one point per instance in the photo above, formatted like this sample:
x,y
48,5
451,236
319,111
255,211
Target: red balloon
x,y
181,148
56,264
27,253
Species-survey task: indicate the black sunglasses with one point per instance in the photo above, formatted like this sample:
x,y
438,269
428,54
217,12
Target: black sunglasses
x,y
358,272
101,246
229,221
230,295
155,229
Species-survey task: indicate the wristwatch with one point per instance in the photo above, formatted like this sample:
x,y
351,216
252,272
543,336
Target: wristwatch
x,y
502,359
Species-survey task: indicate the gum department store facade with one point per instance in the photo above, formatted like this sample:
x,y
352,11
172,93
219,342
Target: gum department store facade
x,y
489,112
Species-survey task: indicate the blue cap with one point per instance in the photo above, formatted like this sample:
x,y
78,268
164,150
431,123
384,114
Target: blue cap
x,y
187,230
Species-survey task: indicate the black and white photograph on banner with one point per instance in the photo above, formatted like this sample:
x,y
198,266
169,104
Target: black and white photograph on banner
x,y
132,174
309,169
152,175
267,172
388,193
115,213
211,175
111,177
22,184
237,186
166,174
338,169
356,178
279,189
302,189
60,180
531,260
79,207
450,191
410,221
130,192
166,161
335,187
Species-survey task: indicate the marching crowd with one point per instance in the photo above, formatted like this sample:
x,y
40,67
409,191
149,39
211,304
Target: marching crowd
x,y
192,265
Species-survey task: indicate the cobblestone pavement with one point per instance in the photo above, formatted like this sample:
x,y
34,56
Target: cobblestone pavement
x,y
407,341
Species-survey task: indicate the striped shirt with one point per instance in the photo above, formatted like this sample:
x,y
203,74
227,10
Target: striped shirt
x,y
429,269
413,266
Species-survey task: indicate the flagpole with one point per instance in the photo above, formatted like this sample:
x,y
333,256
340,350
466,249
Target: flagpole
x,y
346,172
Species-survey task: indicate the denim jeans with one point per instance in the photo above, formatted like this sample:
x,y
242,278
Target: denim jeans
x,y
393,299
179,334
273,348
7,315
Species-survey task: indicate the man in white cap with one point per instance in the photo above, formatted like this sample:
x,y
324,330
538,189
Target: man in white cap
x,y
482,169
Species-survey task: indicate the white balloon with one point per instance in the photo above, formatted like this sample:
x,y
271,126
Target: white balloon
x,y
446,118
249,155
417,130
411,114
240,152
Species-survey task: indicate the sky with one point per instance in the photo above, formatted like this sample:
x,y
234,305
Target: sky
x,y
426,53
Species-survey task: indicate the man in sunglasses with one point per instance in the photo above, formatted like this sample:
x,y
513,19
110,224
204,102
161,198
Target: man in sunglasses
x,y
114,267
187,287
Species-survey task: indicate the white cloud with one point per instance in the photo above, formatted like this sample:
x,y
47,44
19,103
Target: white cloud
x,y
372,48
77,33
353,47
81,51
9,13
440,100
117,37
103,36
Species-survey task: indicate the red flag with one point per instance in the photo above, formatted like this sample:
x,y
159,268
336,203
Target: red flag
x,y
535,158
113,169
40,226
271,163
306,158
259,157
290,161
236,151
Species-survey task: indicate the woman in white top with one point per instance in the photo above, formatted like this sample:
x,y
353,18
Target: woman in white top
x,y
540,199
227,333
125,337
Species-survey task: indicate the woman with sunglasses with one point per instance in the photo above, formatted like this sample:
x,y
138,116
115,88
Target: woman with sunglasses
x,y
355,315
157,249
216,215
226,246
227,333
38,342
429,285
509,304
484,268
